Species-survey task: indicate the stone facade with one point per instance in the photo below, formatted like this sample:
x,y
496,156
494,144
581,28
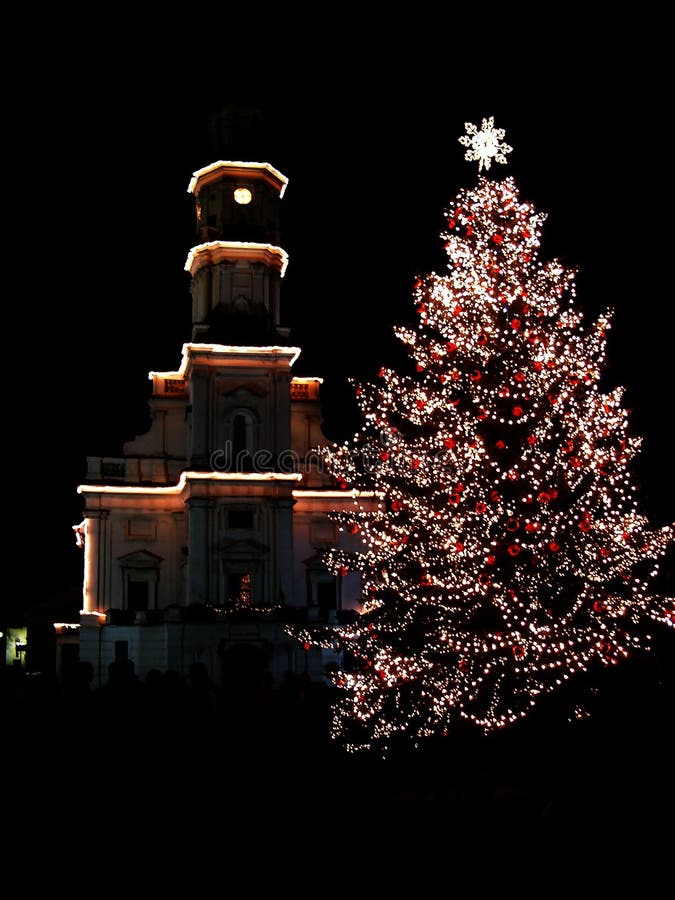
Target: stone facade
x,y
205,536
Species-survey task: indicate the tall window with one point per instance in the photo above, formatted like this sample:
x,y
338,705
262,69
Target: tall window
x,y
240,588
138,595
140,573
241,436
326,597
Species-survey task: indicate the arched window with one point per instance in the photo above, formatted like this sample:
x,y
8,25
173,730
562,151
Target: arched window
x,y
241,439
239,436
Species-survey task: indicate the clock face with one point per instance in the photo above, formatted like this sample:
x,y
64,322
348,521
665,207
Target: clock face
x,y
243,196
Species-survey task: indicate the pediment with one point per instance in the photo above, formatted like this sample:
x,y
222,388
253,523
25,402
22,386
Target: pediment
x,y
229,388
140,559
232,547
315,562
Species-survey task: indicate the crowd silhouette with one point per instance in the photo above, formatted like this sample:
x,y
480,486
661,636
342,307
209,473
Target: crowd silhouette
x,y
248,741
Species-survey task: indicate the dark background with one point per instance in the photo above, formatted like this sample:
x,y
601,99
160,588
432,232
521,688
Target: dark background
x,y
103,145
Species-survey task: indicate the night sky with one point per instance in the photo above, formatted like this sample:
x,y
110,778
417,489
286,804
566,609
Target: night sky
x,y
368,139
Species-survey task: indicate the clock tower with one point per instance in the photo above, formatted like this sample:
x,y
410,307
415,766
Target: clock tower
x,y
204,538
237,267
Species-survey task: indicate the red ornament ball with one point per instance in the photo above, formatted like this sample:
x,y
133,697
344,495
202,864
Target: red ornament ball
x,y
598,606
451,346
306,646
459,546
500,445
415,464
449,443
554,546
495,496
512,524
532,526
519,377
497,239
384,455
491,560
518,651
342,484
420,404
419,367
475,375
481,508
518,411
531,440
515,324
396,505
343,570
514,550
380,374
352,528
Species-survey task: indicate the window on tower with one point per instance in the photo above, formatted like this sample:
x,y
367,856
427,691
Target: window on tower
x,y
241,442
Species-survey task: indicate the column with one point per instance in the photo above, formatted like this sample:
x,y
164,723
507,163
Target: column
x,y
177,590
199,451
199,563
283,563
93,589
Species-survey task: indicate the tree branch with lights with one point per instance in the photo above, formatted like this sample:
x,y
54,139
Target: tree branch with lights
x,y
508,552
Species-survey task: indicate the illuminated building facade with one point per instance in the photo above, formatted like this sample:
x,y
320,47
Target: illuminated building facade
x,y
205,537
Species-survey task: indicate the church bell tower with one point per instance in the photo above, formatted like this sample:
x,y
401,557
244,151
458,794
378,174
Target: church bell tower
x,y
237,267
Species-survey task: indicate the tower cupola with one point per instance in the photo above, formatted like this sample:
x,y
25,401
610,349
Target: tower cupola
x,y
237,267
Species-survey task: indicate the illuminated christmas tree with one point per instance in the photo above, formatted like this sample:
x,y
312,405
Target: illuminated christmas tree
x,y
507,552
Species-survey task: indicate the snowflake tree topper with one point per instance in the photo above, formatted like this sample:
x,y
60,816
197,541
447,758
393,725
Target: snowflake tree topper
x,y
484,145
